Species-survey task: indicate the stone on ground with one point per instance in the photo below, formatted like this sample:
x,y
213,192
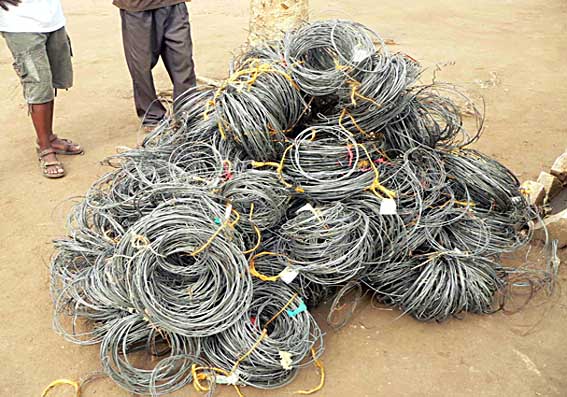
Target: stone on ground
x,y
556,228
559,168
535,192
551,184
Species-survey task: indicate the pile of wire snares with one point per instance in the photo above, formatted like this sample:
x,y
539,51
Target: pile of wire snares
x,y
319,169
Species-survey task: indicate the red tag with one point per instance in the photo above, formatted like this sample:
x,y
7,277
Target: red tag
x,y
350,156
227,172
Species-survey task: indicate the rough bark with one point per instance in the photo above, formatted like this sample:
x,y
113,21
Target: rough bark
x,y
269,19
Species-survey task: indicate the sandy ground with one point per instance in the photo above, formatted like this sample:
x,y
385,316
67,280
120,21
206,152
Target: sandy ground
x,y
512,52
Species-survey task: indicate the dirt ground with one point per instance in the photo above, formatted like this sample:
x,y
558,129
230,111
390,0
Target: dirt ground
x,y
512,52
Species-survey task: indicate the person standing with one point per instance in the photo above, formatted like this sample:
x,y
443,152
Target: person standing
x,y
34,31
150,29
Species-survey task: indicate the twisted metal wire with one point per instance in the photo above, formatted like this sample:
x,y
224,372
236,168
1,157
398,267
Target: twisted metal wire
x,y
329,244
295,334
321,54
327,164
128,335
191,294
259,197
321,154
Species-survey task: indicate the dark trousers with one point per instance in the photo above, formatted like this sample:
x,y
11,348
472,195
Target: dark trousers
x,y
147,35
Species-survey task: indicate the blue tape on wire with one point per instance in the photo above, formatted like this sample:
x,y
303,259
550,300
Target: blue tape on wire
x,y
302,307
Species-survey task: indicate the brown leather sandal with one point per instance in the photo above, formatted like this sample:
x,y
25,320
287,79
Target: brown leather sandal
x,y
70,148
45,165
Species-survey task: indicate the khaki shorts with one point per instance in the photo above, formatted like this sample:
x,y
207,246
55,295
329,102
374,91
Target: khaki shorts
x,y
43,63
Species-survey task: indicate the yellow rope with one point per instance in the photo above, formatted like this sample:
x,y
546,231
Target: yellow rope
x,y
359,128
279,169
340,67
60,382
259,241
221,129
265,164
281,310
353,92
318,364
210,240
198,377
465,203
254,346
217,232
210,103
251,211
258,233
355,85
261,276
376,182
352,119
254,70
236,220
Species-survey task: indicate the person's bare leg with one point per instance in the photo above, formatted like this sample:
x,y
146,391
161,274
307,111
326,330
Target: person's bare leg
x,y
42,118
50,115
57,143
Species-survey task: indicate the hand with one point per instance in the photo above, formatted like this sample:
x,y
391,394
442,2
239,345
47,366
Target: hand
x,y
5,3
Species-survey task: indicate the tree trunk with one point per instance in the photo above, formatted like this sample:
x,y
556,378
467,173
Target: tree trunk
x,y
269,19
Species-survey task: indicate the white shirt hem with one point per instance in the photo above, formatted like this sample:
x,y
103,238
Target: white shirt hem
x,y
49,29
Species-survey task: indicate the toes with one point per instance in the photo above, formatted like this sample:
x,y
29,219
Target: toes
x,y
55,171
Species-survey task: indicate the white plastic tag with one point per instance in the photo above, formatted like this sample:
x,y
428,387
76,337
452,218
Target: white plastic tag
x,y
228,212
286,360
227,380
359,54
388,207
306,207
288,275
309,207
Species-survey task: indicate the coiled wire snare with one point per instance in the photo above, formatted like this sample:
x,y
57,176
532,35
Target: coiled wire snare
x,y
320,169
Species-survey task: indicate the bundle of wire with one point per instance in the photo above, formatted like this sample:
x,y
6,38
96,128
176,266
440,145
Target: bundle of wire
x,y
293,335
329,244
318,169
